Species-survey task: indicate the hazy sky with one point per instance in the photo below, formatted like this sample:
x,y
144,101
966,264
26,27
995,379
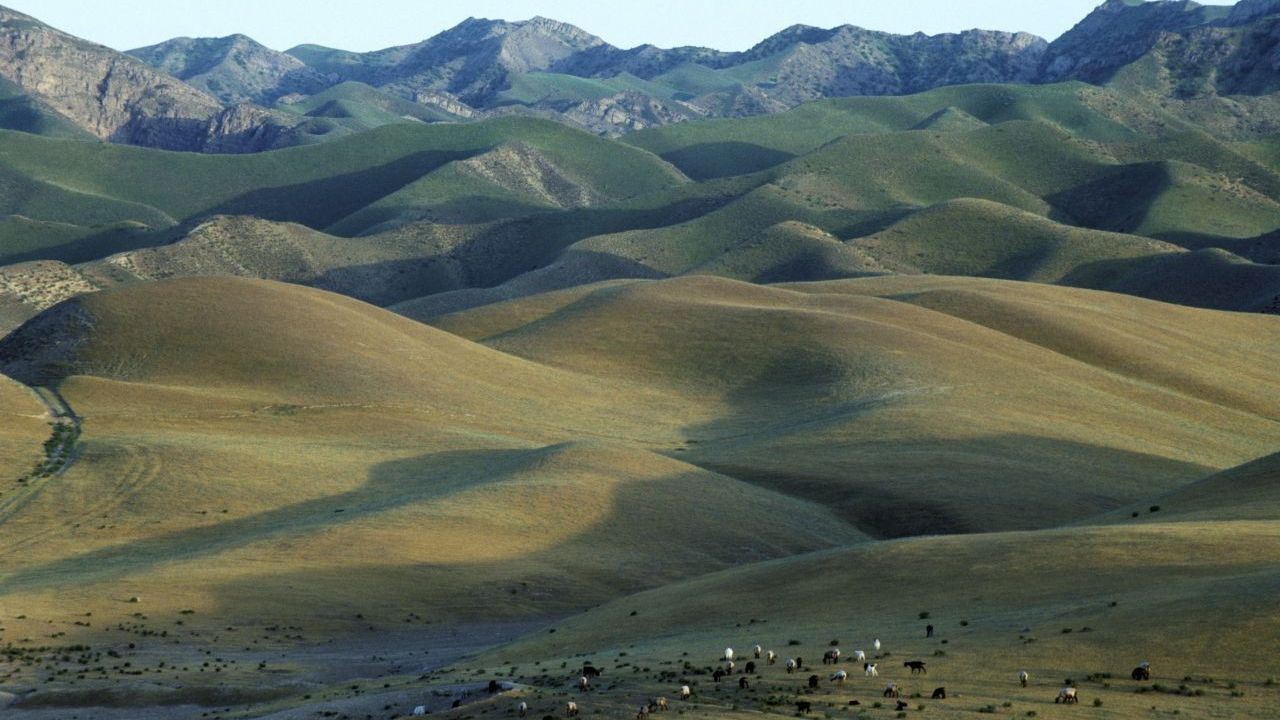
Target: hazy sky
x,y
374,24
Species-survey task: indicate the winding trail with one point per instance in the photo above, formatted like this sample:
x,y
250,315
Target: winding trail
x,y
60,457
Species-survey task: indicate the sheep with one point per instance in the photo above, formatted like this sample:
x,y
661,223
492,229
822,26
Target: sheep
x,y
791,665
876,644
940,693
771,656
728,653
869,669
523,708
758,651
892,690
917,666
831,657
859,657
838,677
660,704
1141,673
685,692
803,707
643,713
813,681
750,668
420,710
571,709
742,683
728,667
1067,696
583,683
1023,677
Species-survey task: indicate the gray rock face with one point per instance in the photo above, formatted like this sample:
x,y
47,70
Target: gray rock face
x,y
233,69
111,95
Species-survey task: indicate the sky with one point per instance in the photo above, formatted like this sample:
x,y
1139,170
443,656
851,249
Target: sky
x,y
375,24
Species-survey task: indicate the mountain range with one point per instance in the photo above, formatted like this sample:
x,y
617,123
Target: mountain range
x,y
233,94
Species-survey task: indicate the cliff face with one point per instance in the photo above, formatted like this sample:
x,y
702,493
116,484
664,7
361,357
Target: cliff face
x,y
109,94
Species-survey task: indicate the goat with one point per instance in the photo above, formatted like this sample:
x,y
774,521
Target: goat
x,y
571,709
813,681
718,675
659,704
742,683
685,692
771,656
791,665
522,708
1141,673
940,693
1023,677
728,654
859,656
869,669
643,713
758,651
583,683
876,644
591,671
917,666
838,677
420,710
892,690
831,657
803,707
1067,696
749,668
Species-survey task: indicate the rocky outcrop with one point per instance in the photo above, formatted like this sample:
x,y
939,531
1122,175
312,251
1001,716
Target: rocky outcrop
x,y
111,95
234,69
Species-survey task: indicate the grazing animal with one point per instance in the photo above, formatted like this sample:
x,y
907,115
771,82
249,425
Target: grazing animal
x,y
718,675
831,657
493,687
571,709
1023,677
791,665
758,651
902,705
591,671
522,708
940,693
1067,696
420,710
838,677
1141,673
859,656
685,692
742,683
660,704
813,681
728,653
728,667
917,666
750,668
869,669
643,712
892,690
803,707
772,657
876,644
583,683
799,662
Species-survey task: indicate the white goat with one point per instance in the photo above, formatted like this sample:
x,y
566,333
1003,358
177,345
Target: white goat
x,y
571,708
1067,696
685,692
522,708
838,677
791,665
859,656
771,656
1023,677
758,652
869,669
728,653
876,644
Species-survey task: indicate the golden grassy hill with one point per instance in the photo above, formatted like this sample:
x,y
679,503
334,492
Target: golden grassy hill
x,y
259,452
1194,599
925,404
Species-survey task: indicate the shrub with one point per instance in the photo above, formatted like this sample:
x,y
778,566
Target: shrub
x,y
924,614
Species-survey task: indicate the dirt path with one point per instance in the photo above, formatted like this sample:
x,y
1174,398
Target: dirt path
x,y
61,450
